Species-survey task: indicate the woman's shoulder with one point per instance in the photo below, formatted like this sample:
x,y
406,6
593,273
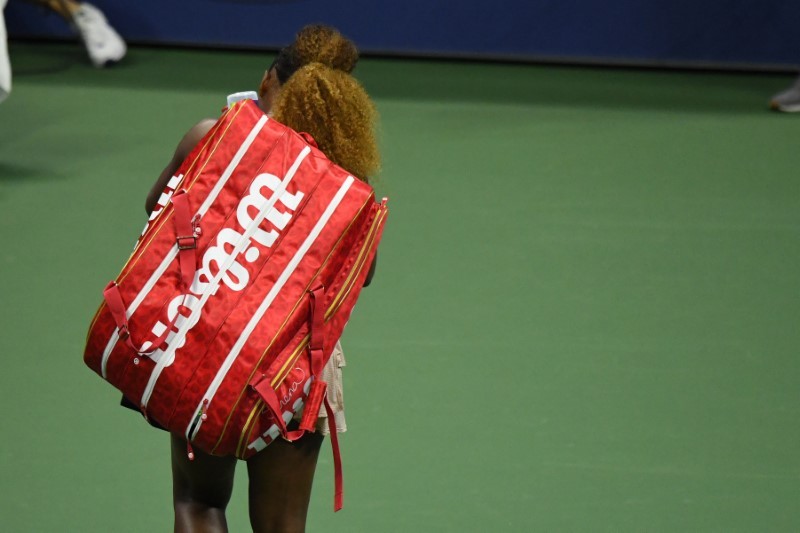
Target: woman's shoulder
x,y
193,136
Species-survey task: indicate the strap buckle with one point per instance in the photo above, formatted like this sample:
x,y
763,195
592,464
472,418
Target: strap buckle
x,y
186,242
189,242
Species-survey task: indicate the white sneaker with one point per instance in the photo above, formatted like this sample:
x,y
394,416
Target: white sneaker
x,y
787,101
103,44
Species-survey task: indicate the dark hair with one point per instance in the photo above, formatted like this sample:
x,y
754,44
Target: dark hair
x,y
315,43
285,64
318,43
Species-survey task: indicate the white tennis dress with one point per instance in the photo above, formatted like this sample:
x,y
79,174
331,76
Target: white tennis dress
x,y
332,375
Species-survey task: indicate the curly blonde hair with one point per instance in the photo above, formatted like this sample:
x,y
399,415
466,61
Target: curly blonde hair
x,y
321,98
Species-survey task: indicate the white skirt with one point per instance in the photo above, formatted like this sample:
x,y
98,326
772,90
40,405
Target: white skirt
x,y
332,375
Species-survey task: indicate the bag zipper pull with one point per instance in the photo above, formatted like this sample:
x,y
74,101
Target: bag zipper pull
x,y
203,416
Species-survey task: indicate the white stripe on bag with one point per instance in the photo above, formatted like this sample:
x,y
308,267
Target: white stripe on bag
x,y
237,158
168,356
262,309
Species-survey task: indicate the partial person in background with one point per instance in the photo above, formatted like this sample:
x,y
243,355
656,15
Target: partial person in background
x,y
103,43
5,66
787,101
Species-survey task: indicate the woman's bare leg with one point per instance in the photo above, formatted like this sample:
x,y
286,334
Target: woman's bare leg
x,y
280,484
65,8
103,44
201,489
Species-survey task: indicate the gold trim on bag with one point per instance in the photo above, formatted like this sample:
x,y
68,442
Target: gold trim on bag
x,y
335,304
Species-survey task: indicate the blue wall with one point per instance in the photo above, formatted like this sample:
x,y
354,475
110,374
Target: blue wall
x,y
721,32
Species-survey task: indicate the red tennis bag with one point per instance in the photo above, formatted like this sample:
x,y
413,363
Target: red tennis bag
x,y
220,323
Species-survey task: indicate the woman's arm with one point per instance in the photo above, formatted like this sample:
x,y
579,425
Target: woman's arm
x,y
188,142
371,270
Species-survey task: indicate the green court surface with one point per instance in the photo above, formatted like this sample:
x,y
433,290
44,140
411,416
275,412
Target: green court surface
x,y
585,315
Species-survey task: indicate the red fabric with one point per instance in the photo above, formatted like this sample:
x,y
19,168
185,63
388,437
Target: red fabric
x,y
185,237
267,394
116,307
316,346
313,402
245,317
338,494
317,333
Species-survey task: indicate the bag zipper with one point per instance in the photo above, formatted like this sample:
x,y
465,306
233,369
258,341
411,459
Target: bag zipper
x,y
346,287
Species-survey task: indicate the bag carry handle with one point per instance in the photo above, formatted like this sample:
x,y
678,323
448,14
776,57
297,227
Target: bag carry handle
x,y
317,395
186,232
316,346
